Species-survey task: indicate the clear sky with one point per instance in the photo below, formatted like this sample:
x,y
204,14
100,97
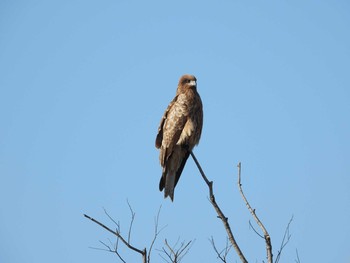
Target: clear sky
x,y
83,85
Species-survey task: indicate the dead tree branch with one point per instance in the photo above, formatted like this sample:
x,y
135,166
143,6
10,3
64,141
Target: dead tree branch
x,y
146,257
131,221
222,255
221,215
156,233
256,232
297,260
119,236
175,255
115,250
285,240
257,220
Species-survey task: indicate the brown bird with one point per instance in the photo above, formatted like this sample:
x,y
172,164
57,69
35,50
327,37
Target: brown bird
x,y
179,131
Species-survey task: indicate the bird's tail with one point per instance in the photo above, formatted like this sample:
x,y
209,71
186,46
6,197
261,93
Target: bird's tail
x,y
169,185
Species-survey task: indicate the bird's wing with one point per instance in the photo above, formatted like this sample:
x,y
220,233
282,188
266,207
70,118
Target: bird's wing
x,y
171,126
159,137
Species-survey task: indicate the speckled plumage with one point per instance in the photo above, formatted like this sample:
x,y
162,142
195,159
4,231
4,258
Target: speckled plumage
x,y
179,131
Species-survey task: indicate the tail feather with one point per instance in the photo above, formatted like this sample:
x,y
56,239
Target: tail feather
x,y
169,186
161,183
172,170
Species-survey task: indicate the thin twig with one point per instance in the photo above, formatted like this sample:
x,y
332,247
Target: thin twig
x,y
297,260
113,251
111,218
175,255
224,251
185,248
131,221
170,249
285,240
156,233
257,220
118,238
227,247
166,253
219,212
256,232
102,249
216,250
116,249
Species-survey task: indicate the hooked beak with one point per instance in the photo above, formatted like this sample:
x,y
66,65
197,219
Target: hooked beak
x,y
193,83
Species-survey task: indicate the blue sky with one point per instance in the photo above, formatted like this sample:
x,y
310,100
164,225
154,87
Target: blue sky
x,y
83,87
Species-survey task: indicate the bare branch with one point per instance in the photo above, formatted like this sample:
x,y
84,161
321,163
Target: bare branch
x,y
175,255
170,248
257,220
227,247
256,232
166,253
103,249
219,212
116,223
224,252
183,250
156,233
297,260
117,234
112,250
117,242
131,221
285,240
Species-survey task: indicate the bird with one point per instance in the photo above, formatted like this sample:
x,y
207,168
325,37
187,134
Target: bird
x,y
179,131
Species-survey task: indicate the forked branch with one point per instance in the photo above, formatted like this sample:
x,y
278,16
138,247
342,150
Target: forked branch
x,y
174,254
285,240
118,235
256,218
156,233
222,255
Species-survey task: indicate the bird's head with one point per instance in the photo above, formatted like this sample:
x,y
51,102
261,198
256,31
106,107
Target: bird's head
x,y
187,82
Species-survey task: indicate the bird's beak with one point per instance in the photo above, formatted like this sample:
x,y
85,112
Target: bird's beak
x,y
193,83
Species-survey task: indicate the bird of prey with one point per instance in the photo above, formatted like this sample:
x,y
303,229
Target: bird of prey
x,y
179,131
